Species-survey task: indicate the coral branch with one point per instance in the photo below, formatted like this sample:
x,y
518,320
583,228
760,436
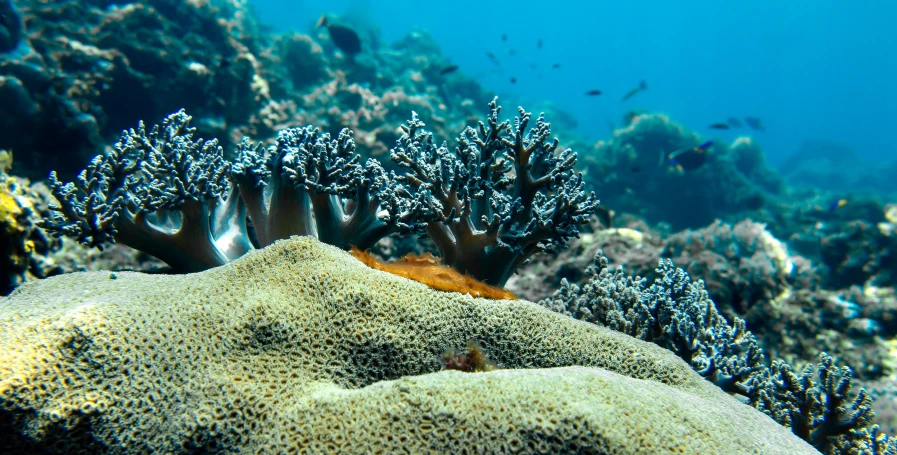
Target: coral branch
x,y
503,195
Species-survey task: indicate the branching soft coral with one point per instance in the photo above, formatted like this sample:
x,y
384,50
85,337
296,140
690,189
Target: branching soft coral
x,y
176,198
503,195
161,192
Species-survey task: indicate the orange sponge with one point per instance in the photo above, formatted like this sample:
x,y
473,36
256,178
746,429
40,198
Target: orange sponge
x,y
428,270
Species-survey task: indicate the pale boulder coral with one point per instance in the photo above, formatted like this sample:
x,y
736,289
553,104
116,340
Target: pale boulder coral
x,y
301,348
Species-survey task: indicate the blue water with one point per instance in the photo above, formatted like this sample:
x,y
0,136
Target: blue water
x,y
810,69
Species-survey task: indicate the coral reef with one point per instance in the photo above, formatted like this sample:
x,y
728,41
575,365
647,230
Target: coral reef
x,y
83,71
741,265
173,196
485,219
300,346
677,314
27,252
783,297
630,174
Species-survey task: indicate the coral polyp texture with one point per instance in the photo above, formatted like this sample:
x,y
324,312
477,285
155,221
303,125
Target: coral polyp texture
x,y
299,347
502,196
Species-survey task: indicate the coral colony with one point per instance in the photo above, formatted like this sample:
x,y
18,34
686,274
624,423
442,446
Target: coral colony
x,y
347,257
500,197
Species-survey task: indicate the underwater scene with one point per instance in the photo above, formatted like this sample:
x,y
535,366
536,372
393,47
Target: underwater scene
x,y
357,226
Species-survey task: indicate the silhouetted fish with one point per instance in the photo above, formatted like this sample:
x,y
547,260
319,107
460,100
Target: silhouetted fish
x,y
593,92
539,44
504,36
642,86
689,158
512,52
555,66
449,69
343,37
754,123
513,80
720,126
734,122
492,58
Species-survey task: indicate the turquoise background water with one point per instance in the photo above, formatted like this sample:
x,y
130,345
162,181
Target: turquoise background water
x,y
810,69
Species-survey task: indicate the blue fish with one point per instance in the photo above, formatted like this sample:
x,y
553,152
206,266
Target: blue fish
x,y
689,158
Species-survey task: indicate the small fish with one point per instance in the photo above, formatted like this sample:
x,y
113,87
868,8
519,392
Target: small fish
x,y
539,44
555,66
504,36
689,158
635,169
719,126
641,87
593,93
343,37
754,123
513,80
512,52
492,58
835,205
734,122
449,69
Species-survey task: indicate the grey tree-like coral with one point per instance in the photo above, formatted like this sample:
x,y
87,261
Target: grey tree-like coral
x,y
157,191
501,196
176,198
677,314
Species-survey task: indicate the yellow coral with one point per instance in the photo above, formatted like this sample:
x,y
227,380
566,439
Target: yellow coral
x,y
10,213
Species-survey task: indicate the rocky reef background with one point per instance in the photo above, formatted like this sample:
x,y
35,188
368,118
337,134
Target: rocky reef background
x,y
805,277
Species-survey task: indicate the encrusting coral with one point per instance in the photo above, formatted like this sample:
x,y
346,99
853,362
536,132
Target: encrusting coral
x,y
300,347
501,196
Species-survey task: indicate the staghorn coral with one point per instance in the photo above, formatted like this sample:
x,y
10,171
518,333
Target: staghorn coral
x,y
502,196
301,347
673,312
823,413
427,269
678,314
